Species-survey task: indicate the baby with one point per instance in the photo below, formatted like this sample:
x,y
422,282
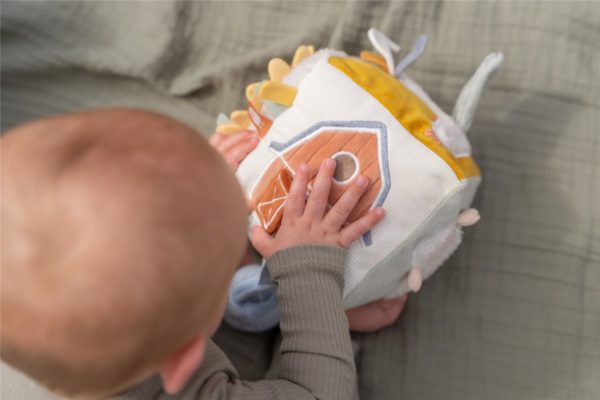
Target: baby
x,y
122,230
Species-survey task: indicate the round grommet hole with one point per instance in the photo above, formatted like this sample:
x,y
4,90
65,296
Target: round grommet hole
x,y
346,167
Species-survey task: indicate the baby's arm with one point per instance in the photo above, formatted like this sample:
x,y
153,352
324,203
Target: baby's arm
x,y
316,354
306,260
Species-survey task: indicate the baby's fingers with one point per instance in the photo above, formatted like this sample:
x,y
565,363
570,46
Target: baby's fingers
x,y
340,211
231,141
317,201
296,198
262,241
236,155
215,139
356,229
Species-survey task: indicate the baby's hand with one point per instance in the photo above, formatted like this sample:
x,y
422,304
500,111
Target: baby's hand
x,y
235,147
309,222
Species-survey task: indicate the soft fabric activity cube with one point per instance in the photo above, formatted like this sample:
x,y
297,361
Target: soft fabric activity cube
x,y
368,115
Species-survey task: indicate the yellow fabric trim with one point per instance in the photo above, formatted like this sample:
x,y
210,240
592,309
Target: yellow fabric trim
x,y
468,166
301,53
374,59
278,69
406,107
240,117
252,95
279,93
228,129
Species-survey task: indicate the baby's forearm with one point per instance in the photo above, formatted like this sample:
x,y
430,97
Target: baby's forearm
x,y
316,351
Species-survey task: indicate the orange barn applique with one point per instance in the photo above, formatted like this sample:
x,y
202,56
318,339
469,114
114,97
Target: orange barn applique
x,y
359,147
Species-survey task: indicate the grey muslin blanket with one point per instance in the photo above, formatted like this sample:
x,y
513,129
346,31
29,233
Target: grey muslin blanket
x,y
515,313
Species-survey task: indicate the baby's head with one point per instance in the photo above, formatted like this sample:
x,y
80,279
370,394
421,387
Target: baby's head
x,y
121,231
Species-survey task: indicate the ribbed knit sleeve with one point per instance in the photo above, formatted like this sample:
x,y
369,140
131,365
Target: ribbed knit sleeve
x,y
316,351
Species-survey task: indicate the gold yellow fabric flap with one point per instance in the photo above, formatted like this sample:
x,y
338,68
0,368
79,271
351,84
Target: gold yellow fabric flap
x,y
406,107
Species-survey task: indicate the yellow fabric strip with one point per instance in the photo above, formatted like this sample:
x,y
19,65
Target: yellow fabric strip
x,y
240,117
468,166
279,93
228,129
301,53
374,59
278,69
406,107
252,95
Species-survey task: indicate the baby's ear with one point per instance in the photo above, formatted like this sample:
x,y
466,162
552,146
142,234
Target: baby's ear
x,y
179,367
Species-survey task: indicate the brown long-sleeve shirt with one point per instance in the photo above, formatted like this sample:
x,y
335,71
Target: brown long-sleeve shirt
x,y
316,352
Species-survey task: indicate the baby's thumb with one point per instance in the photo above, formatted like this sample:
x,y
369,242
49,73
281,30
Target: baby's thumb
x,y
262,241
